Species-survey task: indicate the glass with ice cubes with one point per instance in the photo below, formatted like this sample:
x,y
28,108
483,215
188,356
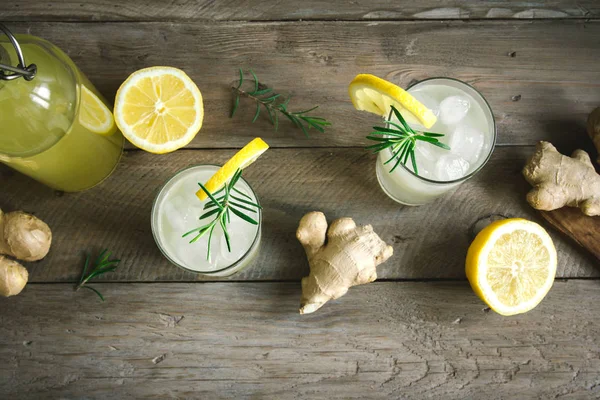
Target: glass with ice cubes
x,y
176,210
466,120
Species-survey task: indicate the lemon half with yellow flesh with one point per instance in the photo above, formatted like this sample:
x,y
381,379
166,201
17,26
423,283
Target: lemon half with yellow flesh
x,y
243,158
159,109
376,95
511,265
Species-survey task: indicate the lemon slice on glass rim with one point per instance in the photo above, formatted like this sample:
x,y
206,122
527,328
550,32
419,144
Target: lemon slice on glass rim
x,y
511,265
243,158
375,95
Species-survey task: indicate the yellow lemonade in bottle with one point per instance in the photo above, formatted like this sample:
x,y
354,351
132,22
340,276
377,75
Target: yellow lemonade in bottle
x,y
55,127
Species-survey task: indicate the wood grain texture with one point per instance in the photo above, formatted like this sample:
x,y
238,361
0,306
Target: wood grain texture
x,y
553,75
206,10
391,340
429,241
579,227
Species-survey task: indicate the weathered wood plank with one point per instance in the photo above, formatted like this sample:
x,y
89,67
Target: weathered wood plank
x,y
205,10
429,241
246,340
544,92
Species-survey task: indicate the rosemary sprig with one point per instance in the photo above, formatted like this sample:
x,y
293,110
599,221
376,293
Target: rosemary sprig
x,y
402,140
274,104
221,204
101,266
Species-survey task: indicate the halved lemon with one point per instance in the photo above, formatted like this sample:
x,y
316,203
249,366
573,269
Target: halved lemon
x,y
376,95
511,265
246,156
159,109
94,115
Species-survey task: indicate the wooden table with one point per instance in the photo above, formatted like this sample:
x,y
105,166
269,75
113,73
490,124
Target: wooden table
x,y
419,332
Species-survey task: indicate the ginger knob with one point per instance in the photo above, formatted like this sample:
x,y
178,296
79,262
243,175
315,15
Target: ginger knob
x,y
560,181
349,258
13,277
24,236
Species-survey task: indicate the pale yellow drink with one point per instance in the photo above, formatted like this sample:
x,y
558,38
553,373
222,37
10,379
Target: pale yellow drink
x,y
41,132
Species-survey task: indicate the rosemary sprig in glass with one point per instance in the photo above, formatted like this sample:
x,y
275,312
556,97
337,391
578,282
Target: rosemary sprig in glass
x,y
221,204
101,266
274,104
401,139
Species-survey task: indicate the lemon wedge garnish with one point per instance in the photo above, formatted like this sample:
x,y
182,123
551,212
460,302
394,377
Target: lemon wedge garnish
x,y
94,115
246,156
159,109
376,95
511,265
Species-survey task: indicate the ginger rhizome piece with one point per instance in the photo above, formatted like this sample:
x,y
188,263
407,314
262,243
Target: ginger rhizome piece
x,y
349,258
13,277
593,128
560,181
24,236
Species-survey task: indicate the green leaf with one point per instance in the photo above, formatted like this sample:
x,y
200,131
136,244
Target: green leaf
x,y
85,267
255,81
234,180
313,124
442,145
211,212
243,216
242,193
243,207
210,196
271,98
209,241
389,130
262,91
414,163
100,272
431,134
246,202
194,230
270,114
95,291
305,111
401,119
241,79
257,113
236,103
225,233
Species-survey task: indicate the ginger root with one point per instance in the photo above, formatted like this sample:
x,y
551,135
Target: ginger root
x,y
593,128
13,277
24,236
560,181
349,258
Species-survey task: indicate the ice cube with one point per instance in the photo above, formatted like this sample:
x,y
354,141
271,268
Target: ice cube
x,y
450,167
467,142
453,109
174,214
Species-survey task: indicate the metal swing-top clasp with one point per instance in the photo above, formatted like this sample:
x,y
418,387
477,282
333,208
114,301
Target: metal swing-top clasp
x,y
8,72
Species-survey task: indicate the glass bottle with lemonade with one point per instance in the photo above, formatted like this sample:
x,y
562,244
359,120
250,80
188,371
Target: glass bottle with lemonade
x,y
55,126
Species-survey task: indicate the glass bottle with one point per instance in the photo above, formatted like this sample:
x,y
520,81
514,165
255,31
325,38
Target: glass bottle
x,y
54,125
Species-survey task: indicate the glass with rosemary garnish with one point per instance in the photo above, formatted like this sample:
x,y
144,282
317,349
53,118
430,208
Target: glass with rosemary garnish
x,y
454,149
200,236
